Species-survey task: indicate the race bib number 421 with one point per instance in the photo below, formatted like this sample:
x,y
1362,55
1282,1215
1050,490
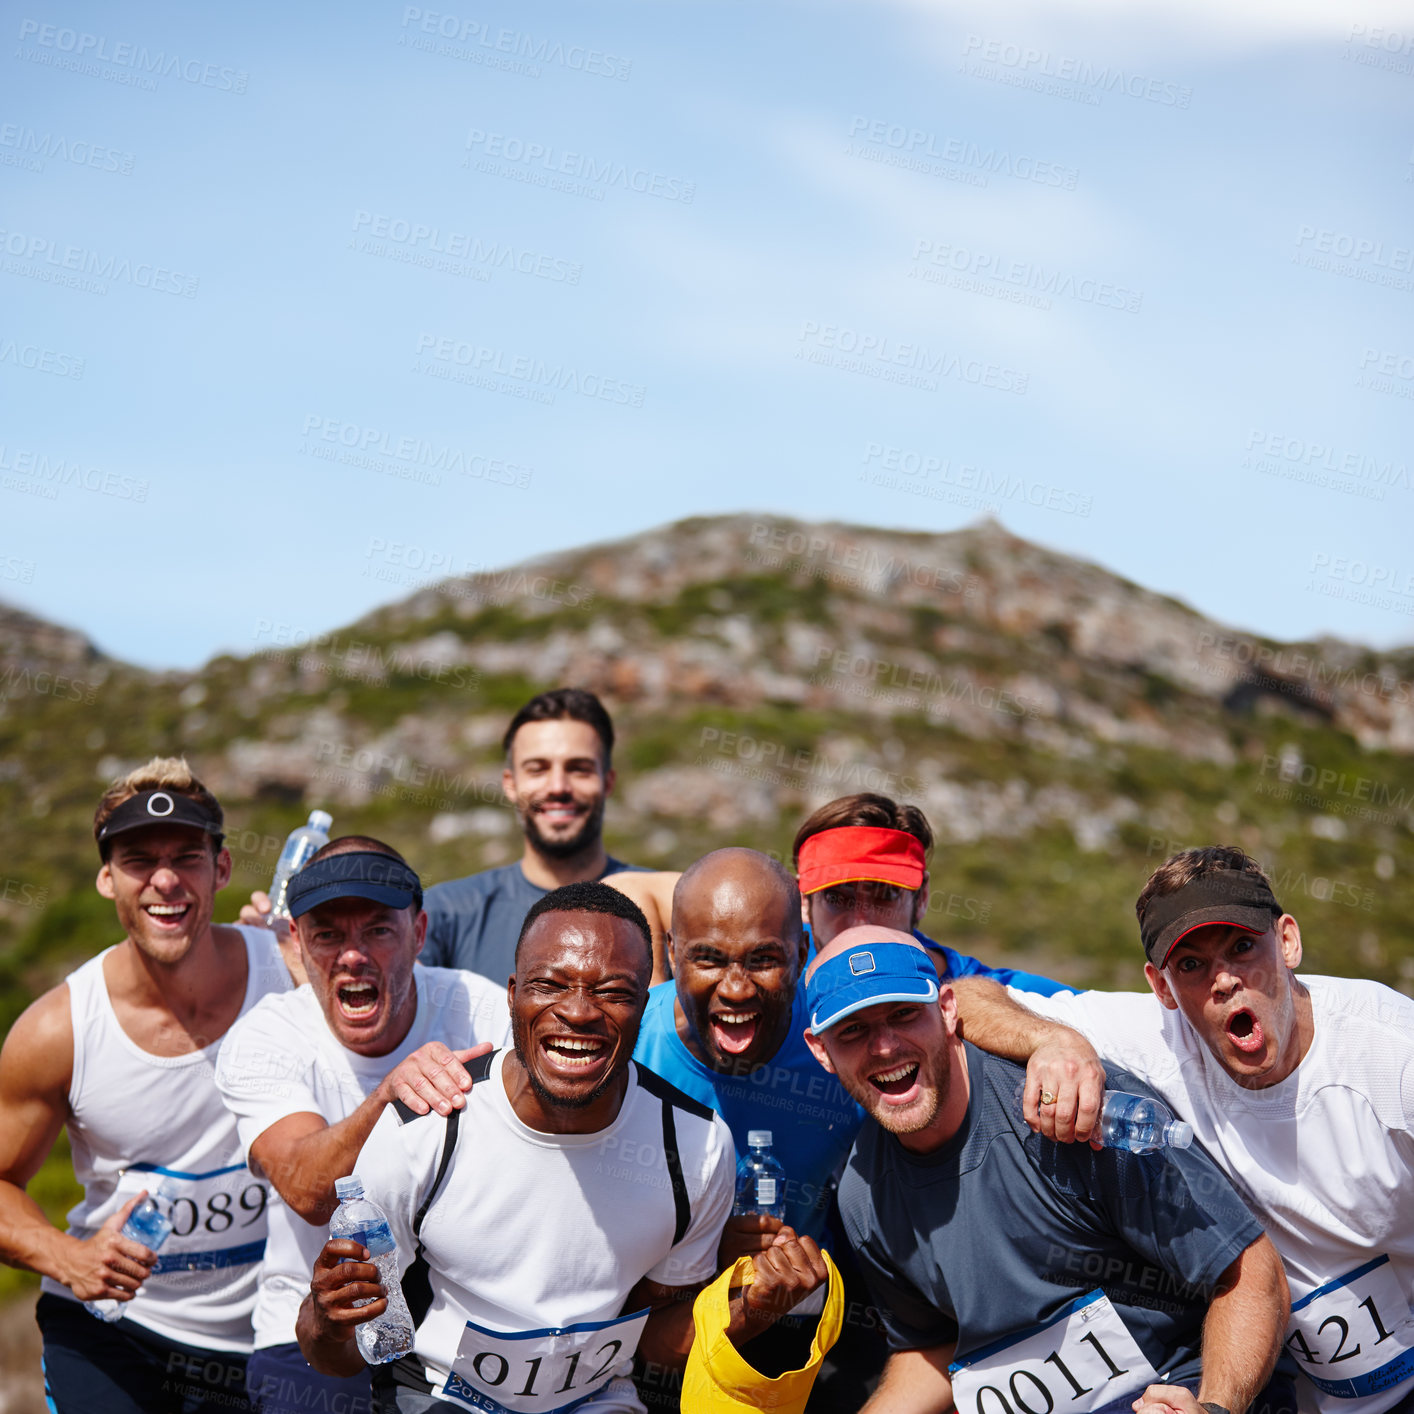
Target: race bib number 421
x,y
1080,1362
1354,1336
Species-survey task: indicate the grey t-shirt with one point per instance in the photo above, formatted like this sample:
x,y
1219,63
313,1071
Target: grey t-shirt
x,y
1000,1229
474,922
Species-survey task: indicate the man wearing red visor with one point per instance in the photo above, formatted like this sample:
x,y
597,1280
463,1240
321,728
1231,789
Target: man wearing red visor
x,y
863,859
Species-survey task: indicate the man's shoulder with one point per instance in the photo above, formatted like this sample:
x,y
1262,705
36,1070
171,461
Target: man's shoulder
x,y
471,889
283,1012
284,1027
669,1094
1372,1012
618,866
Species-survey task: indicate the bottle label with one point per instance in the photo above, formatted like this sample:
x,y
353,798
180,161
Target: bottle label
x,y
1355,1335
218,1218
766,1192
1083,1361
539,1372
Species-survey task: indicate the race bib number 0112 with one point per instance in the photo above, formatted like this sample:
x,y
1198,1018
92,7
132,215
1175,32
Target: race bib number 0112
x,y
218,1218
1080,1362
540,1372
1354,1336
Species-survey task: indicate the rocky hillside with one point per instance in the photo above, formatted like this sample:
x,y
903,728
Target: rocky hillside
x,y
1062,727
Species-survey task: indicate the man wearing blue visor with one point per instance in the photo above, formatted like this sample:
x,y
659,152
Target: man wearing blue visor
x,y
1015,1274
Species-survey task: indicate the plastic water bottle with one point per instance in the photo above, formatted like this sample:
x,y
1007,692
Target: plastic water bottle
x,y
1141,1125
359,1218
302,843
149,1223
760,1179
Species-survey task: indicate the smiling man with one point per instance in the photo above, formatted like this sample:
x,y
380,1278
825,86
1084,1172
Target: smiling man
x,y
1013,1271
1302,1089
561,1221
558,775
308,1074
123,1053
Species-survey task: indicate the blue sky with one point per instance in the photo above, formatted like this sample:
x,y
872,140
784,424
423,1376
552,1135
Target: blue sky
x,y
302,305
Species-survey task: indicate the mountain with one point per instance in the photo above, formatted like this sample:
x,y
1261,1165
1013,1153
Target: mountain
x,y
1063,729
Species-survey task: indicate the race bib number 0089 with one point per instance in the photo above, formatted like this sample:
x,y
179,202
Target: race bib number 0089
x,y
1080,1362
1354,1336
218,1218
540,1372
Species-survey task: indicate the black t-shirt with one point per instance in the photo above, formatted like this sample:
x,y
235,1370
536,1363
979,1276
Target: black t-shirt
x,y
1000,1230
474,922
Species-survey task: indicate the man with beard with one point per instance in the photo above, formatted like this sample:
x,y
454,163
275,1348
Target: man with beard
x,y
307,1075
1014,1272
124,1054
563,1219
557,776
1302,1089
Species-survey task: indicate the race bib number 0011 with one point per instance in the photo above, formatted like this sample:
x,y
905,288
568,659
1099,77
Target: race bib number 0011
x,y
1082,1361
1354,1336
540,1372
218,1218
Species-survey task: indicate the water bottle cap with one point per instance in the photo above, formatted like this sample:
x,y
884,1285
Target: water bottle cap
x,y
755,1137
320,820
1180,1135
350,1187
168,1189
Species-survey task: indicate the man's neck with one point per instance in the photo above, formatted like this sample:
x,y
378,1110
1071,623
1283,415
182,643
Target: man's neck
x,y
536,1113
547,871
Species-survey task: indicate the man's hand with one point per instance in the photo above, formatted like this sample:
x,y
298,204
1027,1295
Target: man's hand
x,y
1167,1399
746,1236
783,1276
109,1266
256,914
342,1275
1065,1071
432,1077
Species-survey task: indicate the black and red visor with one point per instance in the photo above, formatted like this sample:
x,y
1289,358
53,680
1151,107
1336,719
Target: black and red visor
x,y
1229,896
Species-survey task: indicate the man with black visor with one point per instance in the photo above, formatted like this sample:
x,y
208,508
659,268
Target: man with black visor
x,y
123,1053
308,1074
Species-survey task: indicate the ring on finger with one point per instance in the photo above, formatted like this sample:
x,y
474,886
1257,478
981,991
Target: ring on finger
x,y
1048,1097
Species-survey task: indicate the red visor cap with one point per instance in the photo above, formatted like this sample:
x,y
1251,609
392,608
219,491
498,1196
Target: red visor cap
x,y
854,853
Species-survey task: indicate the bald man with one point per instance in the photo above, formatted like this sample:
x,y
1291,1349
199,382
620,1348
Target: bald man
x,y
1002,1261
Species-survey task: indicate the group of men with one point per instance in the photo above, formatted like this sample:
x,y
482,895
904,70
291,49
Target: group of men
x,y
544,1074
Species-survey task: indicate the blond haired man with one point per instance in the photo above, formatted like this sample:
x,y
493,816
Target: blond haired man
x,y
123,1052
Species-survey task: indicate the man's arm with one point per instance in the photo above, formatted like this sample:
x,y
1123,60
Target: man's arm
x,y
302,1154
1058,1060
1241,1337
36,1066
914,1382
325,1325
653,893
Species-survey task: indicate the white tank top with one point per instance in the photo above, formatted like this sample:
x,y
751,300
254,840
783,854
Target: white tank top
x,y
136,1118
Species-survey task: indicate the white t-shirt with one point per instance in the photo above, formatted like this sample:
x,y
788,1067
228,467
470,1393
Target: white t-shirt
x,y
534,1241
281,1059
1325,1159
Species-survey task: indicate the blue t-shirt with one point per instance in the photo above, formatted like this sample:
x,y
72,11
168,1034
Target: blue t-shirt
x,y
473,923
999,1230
812,1119
960,965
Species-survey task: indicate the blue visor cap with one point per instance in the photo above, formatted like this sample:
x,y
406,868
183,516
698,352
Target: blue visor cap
x,y
865,976
357,874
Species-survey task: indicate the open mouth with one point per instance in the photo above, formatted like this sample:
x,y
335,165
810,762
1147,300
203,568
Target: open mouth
x,y
357,1000
167,915
734,1031
1245,1032
575,1054
900,1083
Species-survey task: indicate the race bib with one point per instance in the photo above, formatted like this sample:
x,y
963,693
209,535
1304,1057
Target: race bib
x,y
1355,1335
539,1372
218,1218
1083,1360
